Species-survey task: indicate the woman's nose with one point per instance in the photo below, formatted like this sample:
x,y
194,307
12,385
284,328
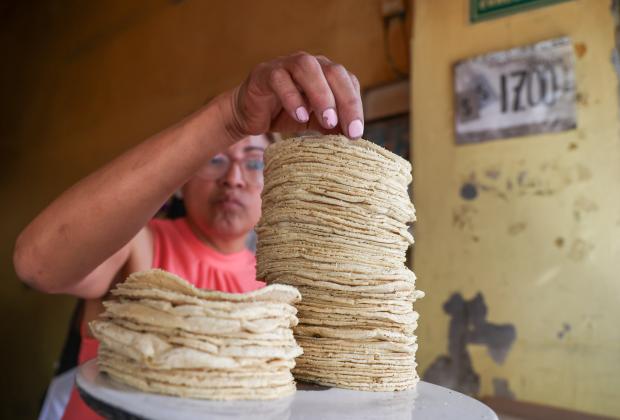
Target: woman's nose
x,y
234,176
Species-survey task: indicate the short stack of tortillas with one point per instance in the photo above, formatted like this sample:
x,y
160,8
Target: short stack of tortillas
x,y
163,335
334,225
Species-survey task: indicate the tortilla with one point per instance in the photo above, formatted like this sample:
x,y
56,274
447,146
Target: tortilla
x,y
160,334
334,224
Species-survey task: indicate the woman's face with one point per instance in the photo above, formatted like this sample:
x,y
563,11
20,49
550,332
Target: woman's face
x,y
223,198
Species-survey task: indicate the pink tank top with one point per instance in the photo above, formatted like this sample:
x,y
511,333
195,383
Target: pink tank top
x,y
179,251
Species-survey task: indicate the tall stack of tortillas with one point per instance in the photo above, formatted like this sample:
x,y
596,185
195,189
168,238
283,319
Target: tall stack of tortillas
x,y
163,335
334,225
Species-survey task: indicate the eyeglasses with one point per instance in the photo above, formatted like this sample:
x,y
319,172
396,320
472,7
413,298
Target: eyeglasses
x,y
217,167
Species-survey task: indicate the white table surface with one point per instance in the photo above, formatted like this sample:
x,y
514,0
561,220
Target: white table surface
x,y
426,402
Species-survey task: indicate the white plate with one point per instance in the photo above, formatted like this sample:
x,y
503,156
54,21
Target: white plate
x,y
426,402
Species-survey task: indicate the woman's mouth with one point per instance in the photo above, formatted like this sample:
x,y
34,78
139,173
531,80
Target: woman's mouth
x,y
229,203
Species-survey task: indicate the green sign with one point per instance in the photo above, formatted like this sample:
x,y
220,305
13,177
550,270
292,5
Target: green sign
x,y
489,9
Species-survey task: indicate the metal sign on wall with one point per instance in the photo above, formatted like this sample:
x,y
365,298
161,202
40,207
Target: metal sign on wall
x,y
518,92
489,9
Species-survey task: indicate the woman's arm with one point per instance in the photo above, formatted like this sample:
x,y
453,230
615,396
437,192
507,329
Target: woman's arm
x,y
94,226
94,220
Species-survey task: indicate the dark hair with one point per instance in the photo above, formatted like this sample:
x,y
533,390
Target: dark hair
x,y
271,137
173,209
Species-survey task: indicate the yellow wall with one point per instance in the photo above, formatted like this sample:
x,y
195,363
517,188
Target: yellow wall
x,y
548,264
86,80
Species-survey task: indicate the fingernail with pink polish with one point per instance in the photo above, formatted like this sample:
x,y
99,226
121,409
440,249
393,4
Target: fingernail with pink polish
x,y
330,118
302,114
356,129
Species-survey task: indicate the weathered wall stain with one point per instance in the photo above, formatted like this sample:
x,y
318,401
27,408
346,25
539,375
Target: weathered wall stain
x,y
492,173
516,228
468,325
546,179
580,249
469,191
580,49
583,173
582,98
566,327
582,206
494,190
501,388
463,217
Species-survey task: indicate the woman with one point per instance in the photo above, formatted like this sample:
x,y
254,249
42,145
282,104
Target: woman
x,y
99,231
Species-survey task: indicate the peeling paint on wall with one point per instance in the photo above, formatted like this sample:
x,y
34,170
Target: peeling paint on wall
x,y
469,191
501,388
580,49
468,325
583,206
566,327
463,217
580,249
547,179
516,228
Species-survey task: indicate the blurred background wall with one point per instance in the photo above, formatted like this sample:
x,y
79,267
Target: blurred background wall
x,y
83,81
519,235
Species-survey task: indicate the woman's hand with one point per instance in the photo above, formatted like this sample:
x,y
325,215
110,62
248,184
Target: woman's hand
x,y
295,93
